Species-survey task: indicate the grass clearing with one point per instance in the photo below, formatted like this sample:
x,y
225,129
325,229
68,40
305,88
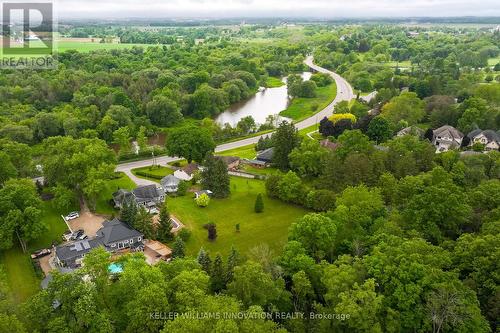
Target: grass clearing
x,y
274,82
493,61
89,47
155,171
302,108
242,152
112,185
269,227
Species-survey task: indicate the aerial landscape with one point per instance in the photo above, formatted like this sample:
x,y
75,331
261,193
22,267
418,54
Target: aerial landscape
x,y
249,166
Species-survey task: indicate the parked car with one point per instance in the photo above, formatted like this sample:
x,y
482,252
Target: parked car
x,y
82,237
40,253
77,234
72,216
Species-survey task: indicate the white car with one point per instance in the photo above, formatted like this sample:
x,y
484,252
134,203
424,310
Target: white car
x,y
72,216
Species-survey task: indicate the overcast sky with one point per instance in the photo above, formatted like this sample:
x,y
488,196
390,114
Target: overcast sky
x,y
274,8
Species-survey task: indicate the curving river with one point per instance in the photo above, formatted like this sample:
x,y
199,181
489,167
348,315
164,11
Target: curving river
x,y
268,101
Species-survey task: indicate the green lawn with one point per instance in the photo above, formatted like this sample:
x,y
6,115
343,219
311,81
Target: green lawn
x,y
21,275
302,108
493,61
259,171
88,47
274,82
102,205
159,171
309,129
242,152
269,227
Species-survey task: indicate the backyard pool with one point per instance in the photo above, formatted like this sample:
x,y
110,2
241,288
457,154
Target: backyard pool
x,y
115,268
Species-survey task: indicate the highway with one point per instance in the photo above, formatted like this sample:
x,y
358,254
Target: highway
x,y
344,93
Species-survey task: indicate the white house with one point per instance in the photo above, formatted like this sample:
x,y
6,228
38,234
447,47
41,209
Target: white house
x,y
170,184
187,172
446,137
489,138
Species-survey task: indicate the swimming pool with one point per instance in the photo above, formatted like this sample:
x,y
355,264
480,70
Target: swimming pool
x,y
115,268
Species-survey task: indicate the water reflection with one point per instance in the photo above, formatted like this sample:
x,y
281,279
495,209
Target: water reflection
x,y
266,102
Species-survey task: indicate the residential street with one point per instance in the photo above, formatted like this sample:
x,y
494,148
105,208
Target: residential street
x,y
344,92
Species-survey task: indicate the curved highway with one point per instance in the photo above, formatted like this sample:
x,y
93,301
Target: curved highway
x,y
344,93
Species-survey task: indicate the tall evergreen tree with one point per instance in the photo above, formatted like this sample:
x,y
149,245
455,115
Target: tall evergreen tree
x,y
128,213
215,177
144,224
178,250
164,229
217,276
233,260
285,139
204,260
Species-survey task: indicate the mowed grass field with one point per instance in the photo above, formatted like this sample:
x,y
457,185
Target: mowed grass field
x,y
24,281
302,108
157,171
62,46
269,227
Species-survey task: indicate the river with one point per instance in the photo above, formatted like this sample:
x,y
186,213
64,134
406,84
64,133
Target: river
x,y
268,101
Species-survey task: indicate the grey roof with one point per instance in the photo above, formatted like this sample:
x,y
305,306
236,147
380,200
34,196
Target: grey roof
x,y
489,134
190,168
147,192
266,155
76,249
115,230
228,159
121,196
411,130
456,134
170,180
256,162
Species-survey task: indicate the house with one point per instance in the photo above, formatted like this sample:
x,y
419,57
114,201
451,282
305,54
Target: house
x,y
113,236
170,184
122,197
265,155
149,195
446,137
411,130
488,138
232,162
256,163
197,194
329,144
187,172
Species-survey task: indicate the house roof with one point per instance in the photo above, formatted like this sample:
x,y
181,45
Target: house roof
x,y
328,144
170,180
266,155
413,130
228,159
147,192
455,134
256,162
190,168
77,248
489,134
115,230
122,195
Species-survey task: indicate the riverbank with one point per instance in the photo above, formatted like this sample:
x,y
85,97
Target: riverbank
x,y
302,108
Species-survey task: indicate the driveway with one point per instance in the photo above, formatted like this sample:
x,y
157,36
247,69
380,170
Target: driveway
x,y
88,222
344,93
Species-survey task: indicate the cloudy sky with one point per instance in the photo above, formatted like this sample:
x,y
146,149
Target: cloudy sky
x,y
274,8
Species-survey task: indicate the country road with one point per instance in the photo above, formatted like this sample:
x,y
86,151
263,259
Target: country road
x,y
344,93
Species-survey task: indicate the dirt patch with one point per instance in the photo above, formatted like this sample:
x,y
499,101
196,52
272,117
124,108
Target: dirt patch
x,y
88,222
45,263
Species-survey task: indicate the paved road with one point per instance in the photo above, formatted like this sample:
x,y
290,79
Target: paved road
x,y
344,93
